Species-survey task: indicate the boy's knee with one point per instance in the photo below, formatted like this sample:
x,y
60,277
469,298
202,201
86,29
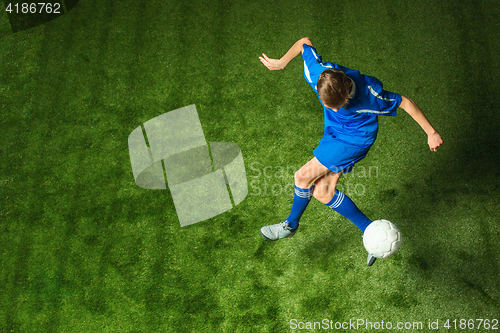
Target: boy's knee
x,y
301,179
297,177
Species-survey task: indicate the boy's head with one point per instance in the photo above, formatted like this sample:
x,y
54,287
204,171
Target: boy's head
x,y
334,88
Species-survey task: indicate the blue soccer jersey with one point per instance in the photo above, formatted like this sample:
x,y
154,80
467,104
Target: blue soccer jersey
x,y
357,123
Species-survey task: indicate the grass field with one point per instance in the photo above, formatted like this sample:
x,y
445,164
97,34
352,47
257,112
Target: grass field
x,y
83,249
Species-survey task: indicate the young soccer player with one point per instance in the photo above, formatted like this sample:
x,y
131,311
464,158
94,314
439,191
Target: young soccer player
x,y
352,103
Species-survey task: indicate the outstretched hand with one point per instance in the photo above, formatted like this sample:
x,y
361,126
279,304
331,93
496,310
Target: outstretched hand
x,y
435,141
271,64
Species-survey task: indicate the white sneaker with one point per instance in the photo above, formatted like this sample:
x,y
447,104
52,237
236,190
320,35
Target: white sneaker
x,y
277,231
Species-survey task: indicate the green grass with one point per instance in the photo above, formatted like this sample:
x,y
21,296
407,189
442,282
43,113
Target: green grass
x,y
83,249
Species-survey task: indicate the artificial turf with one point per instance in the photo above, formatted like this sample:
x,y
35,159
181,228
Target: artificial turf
x,y
83,249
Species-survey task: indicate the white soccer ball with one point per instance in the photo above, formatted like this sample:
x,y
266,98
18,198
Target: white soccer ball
x,y
382,239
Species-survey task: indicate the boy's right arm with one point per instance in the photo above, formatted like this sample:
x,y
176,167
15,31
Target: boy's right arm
x,y
295,50
433,138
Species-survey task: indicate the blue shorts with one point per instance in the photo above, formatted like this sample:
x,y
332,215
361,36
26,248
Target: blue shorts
x,y
338,155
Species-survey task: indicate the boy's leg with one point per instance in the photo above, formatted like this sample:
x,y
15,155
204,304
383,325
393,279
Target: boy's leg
x,y
305,178
325,191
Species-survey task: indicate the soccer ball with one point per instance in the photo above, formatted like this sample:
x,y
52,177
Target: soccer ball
x,y
382,239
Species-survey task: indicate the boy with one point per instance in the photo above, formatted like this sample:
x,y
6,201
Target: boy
x,y
352,102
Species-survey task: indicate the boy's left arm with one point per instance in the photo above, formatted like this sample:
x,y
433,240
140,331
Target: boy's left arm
x,y
433,138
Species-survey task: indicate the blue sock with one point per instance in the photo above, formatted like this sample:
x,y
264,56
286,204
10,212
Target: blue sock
x,y
300,201
343,205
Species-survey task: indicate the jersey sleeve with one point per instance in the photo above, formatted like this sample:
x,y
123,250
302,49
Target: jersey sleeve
x,y
383,102
313,65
